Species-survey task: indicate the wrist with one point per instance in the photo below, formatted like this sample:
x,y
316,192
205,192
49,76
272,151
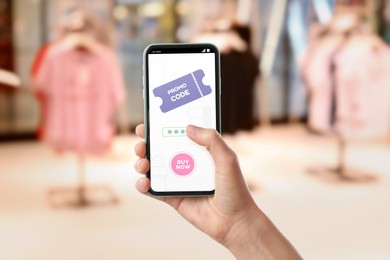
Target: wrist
x,y
254,236
243,237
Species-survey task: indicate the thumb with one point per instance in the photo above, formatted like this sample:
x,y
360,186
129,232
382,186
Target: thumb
x,y
223,156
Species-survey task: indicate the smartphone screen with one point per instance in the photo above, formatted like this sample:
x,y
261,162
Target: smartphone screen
x,y
182,87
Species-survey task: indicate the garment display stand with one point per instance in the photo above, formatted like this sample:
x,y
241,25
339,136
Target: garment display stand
x,y
341,172
82,85
81,195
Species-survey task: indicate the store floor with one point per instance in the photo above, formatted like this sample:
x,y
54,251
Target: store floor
x,y
325,218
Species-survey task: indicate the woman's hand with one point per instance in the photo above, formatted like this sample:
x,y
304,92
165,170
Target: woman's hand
x,y
231,216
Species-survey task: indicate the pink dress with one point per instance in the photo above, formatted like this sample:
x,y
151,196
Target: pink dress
x,y
360,79
363,88
316,69
83,88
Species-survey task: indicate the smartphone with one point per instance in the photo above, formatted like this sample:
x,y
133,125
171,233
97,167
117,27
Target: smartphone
x,y
181,87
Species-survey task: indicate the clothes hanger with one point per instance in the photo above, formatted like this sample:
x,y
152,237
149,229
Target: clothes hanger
x,y
79,28
80,41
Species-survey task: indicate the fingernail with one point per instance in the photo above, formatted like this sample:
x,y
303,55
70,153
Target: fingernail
x,y
144,181
138,164
143,185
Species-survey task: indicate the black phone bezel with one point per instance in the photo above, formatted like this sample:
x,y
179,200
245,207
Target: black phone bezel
x,y
179,48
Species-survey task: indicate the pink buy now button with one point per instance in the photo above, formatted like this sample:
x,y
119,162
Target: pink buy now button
x,y
182,164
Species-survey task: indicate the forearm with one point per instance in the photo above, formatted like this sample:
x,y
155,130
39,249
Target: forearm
x,y
256,237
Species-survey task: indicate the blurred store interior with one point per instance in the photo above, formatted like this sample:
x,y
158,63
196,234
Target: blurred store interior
x,y
305,105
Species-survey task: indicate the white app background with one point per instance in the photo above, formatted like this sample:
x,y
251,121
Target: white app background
x,y
164,68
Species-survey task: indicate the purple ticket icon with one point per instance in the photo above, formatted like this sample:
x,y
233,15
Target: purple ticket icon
x,y
181,91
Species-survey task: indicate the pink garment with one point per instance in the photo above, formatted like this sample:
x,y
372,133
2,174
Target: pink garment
x,y
316,70
363,88
83,88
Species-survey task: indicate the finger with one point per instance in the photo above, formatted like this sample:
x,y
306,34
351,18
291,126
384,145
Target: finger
x,y
223,156
140,149
229,182
142,185
142,166
139,130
